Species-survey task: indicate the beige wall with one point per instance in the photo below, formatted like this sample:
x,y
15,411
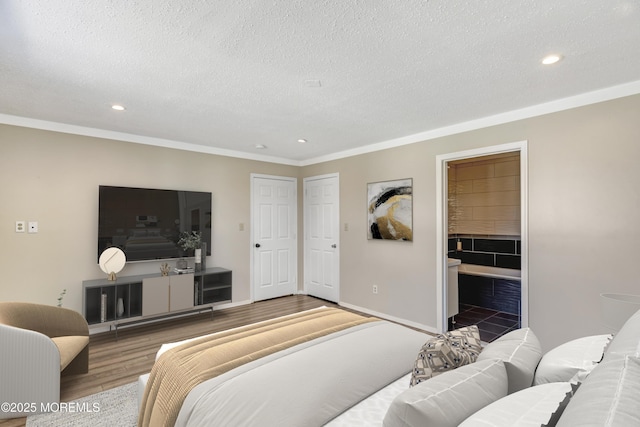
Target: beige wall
x,y
53,178
583,218
583,213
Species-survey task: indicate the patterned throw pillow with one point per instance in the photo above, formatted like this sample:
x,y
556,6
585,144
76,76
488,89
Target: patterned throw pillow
x,y
445,352
466,343
434,357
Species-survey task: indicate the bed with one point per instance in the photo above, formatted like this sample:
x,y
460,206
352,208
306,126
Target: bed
x,y
318,367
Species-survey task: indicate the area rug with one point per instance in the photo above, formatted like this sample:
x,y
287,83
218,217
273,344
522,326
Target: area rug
x,y
111,408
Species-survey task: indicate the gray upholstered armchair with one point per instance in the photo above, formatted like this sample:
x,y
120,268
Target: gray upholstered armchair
x,y
38,343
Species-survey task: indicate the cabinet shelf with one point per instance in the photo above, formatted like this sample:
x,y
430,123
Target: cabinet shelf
x,y
130,293
214,286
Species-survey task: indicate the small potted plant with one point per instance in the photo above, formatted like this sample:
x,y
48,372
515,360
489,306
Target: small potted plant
x,y
192,240
64,291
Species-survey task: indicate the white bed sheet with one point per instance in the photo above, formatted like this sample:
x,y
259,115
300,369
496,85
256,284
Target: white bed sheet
x,y
371,411
329,370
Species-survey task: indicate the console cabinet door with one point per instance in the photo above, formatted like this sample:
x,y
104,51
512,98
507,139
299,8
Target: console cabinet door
x,y
181,292
155,295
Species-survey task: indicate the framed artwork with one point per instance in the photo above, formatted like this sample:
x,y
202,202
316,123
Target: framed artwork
x,y
390,210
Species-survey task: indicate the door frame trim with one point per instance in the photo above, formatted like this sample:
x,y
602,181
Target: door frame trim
x,y
306,223
252,217
442,221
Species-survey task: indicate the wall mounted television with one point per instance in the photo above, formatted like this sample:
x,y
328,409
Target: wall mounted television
x,y
146,223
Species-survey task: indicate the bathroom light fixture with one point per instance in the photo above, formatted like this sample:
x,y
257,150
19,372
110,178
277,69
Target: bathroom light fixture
x,y
551,59
260,146
118,107
302,140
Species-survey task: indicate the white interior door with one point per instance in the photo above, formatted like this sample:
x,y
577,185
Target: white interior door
x,y
321,237
274,240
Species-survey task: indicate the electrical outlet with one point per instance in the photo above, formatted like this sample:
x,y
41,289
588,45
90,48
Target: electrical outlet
x,y
375,289
20,226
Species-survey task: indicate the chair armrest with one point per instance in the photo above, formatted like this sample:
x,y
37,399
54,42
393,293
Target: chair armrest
x,y
47,319
29,369
64,322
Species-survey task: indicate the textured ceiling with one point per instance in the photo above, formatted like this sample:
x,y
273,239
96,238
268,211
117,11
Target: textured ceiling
x,y
230,75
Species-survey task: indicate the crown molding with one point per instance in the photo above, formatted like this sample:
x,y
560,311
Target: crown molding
x,y
584,99
581,100
137,139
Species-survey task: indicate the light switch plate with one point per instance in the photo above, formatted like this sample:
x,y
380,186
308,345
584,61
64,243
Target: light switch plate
x,y
33,226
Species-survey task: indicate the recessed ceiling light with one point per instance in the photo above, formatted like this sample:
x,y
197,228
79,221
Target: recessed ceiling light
x,y
261,146
302,140
118,107
551,59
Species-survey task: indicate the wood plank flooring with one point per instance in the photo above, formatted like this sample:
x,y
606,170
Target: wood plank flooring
x,y
115,362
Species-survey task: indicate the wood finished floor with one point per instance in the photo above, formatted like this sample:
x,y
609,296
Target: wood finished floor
x,y
113,363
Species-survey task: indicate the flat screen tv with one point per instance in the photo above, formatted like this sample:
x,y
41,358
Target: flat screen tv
x,y
147,223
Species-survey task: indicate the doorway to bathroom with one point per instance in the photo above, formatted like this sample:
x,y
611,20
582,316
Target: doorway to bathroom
x,y
482,230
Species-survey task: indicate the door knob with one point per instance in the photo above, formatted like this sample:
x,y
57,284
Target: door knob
x,y
334,246
257,245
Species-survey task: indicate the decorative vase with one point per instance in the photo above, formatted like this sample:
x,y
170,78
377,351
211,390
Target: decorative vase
x,y
201,257
103,307
120,307
198,259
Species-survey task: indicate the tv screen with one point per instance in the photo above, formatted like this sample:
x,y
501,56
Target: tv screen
x,y
147,223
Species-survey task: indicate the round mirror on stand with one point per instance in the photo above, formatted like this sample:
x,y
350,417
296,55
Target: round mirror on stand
x,y
112,261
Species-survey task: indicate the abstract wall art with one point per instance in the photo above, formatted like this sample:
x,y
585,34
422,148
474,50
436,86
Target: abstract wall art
x,y
390,210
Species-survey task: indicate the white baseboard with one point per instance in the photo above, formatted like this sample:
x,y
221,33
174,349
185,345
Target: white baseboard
x,y
405,322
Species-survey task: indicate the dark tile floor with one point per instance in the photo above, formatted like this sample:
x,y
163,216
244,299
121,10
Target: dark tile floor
x,y
491,323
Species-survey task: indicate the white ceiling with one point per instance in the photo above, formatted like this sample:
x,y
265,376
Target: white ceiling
x,y
225,75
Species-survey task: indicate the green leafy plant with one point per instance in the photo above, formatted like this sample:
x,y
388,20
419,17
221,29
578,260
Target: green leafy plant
x,y
64,291
190,240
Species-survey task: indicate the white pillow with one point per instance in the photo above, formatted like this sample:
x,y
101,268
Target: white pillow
x,y
449,398
533,406
609,396
520,351
571,361
626,341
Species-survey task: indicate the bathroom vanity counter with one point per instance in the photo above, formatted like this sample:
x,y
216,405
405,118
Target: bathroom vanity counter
x,y
486,271
451,262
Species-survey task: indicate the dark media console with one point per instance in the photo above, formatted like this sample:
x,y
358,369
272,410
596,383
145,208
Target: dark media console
x,y
145,297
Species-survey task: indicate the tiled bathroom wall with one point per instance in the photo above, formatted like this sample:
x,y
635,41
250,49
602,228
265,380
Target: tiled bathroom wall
x,y
493,252
503,295
495,294
484,195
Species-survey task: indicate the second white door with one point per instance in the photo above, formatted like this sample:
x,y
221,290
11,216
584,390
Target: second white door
x,y
322,235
